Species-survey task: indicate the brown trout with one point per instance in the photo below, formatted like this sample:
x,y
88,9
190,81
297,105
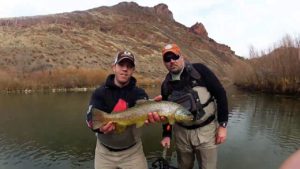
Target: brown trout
x,y
139,113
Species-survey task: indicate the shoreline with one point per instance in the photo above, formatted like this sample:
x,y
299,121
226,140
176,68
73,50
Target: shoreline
x,y
62,90
267,91
90,89
54,90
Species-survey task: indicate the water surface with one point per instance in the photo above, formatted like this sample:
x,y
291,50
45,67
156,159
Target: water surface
x,y
48,131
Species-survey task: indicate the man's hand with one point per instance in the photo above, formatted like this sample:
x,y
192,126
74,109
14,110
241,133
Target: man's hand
x,y
108,127
154,117
292,162
158,98
166,142
221,135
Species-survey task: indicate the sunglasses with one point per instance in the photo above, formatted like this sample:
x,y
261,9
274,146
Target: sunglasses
x,y
167,58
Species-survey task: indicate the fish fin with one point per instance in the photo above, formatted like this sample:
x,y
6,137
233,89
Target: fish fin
x,y
141,101
139,124
120,128
98,118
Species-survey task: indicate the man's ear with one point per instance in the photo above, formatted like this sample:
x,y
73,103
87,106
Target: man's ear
x,y
113,67
183,57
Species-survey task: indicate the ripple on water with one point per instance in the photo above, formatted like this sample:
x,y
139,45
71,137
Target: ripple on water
x,y
290,142
18,154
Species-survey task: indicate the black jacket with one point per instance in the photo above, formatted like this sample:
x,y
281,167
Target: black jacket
x,y
107,96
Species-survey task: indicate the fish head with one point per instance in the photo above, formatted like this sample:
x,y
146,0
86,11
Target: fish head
x,y
183,115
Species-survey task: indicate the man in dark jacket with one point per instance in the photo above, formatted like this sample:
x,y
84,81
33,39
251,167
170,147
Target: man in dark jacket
x,y
119,150
198,89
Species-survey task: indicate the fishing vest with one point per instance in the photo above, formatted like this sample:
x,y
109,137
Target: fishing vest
x,y
191,92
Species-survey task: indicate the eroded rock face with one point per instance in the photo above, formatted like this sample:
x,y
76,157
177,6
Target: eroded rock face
x,y
163,10
199,29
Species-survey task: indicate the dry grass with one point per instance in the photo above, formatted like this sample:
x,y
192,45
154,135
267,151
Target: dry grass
x,y
58,78
62,79
146,81
278,71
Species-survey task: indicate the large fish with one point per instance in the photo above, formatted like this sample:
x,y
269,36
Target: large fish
x,y
139,113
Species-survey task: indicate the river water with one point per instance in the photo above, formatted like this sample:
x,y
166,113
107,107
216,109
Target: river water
x,y
48,131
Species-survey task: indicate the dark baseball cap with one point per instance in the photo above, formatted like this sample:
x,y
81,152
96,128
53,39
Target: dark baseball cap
x,y
125,55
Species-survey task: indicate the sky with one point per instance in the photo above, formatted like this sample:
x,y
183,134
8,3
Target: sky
x,y
236,23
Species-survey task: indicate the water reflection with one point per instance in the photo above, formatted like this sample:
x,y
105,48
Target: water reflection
x,y
263,131
44,131
48,131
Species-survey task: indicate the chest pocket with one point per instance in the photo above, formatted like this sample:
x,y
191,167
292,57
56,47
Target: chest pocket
x,y
189,99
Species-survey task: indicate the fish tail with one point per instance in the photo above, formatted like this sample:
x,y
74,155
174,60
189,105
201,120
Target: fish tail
x,y
98,118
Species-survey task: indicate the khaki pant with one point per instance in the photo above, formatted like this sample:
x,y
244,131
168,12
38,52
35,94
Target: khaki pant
x,y
131,158
199,142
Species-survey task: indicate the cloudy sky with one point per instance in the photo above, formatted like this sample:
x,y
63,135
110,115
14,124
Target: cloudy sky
x,y
236,23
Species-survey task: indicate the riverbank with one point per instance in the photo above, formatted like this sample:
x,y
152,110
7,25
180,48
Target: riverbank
x,y
258,89
64,90
60,80
276,71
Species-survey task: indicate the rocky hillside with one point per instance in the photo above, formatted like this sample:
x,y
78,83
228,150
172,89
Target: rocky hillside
x,y
90,39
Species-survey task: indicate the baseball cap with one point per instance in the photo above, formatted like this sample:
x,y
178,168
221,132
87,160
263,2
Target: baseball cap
x,y
125,55
171,48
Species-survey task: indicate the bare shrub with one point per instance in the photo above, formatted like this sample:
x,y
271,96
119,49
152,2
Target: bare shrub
x,y
277,71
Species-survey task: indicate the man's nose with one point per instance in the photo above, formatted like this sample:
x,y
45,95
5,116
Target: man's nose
x,y
172,61
125,67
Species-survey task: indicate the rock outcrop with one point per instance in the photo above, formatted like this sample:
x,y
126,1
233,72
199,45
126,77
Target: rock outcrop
x,y
199,29
163,10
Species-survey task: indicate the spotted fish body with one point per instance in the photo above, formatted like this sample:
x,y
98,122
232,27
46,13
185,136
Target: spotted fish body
x,y
138,114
